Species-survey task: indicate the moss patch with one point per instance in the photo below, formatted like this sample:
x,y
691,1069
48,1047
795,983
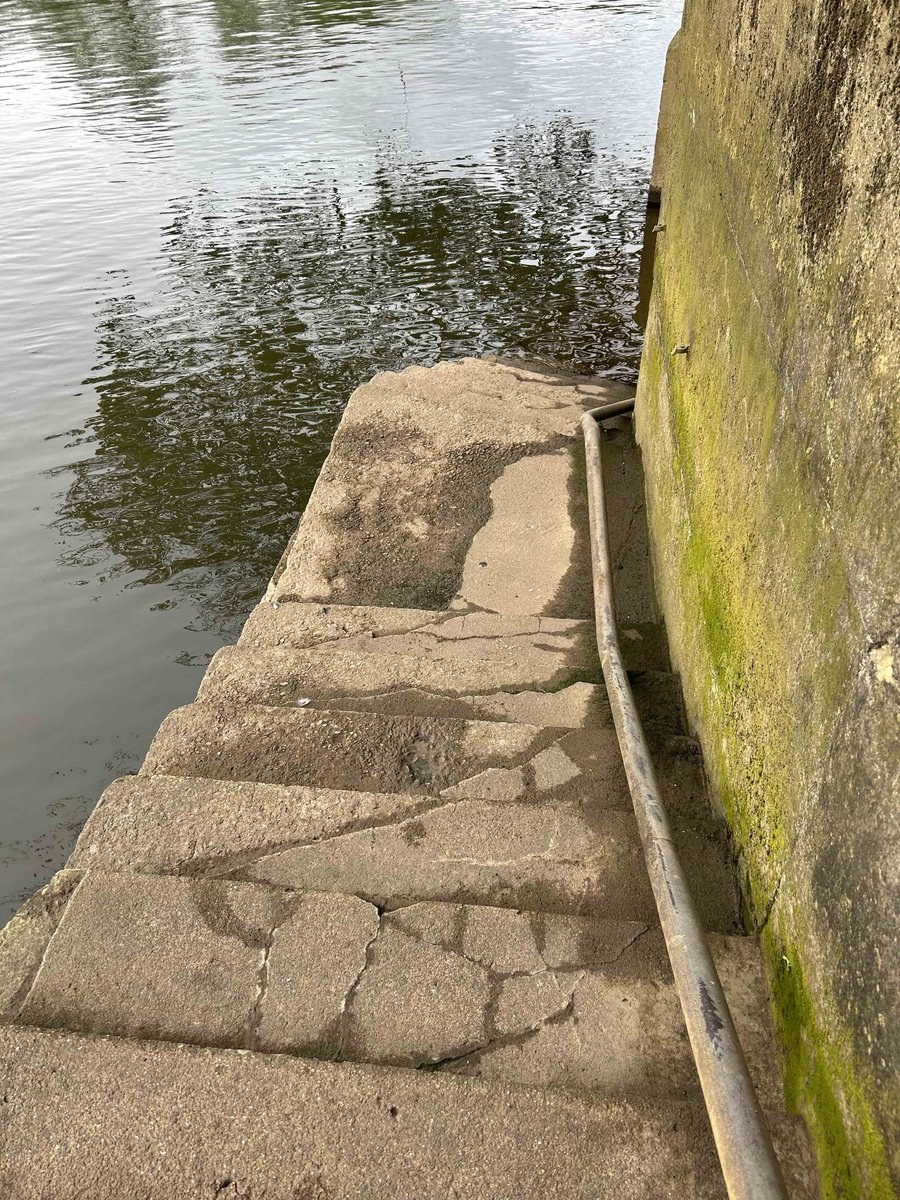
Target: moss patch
x,y
822,1086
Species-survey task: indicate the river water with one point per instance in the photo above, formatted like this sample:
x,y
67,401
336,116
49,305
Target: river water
x,y
218,217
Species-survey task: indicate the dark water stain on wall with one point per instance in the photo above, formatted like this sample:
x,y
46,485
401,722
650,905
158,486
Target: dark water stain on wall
x,y
817,117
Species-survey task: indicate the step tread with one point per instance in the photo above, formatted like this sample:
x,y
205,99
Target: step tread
x,y
560,1001
166,1120
450,471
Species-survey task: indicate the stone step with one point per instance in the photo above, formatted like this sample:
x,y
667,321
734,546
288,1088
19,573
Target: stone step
x,y
545,644
513,995
436,756
399,684
115,1119
396,848
468,477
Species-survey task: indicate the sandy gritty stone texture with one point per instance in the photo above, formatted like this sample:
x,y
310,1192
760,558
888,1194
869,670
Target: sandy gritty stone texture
x,y
514,855
428,755
361,751
564,857
504,687
315,961
168,1120
169,823
519,558
429,460
154,957
24,939
553,858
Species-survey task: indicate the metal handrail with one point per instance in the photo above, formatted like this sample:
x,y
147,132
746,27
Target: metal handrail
x,y
746,1154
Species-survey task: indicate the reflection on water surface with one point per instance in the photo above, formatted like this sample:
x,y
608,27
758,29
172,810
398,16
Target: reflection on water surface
x,y
223,217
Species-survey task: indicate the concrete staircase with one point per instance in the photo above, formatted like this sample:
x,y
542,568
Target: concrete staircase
x,y
373,920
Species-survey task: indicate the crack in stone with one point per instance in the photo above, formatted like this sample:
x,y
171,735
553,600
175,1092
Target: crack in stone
x,y
501,1041
531,688
285,908
20,1000
251,1028
455,946
229,866
346,1015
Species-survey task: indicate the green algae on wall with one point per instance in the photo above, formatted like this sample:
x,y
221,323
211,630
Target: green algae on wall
x,y
771,451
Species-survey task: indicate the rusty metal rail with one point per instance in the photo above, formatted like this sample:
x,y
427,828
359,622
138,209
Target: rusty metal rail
x,y
748,1161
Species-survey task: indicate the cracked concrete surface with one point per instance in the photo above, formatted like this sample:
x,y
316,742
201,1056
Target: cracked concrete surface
x,y
446,635
555,858
316,961
179,962
353,750
379,752
545,857
162,823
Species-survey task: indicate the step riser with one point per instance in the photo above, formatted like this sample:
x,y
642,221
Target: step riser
x,y
425,755
371,752
172,825
560,857
398,684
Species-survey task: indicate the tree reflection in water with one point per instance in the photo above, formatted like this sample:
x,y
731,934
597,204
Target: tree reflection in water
x,y
219,395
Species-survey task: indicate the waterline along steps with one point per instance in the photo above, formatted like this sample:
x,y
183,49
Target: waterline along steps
x,y
373,920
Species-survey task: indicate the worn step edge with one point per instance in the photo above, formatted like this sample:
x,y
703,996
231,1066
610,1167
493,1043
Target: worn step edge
x,y
397,684
368,751
206,827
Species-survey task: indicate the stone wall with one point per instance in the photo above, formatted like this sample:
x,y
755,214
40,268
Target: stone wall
x,y
771,450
